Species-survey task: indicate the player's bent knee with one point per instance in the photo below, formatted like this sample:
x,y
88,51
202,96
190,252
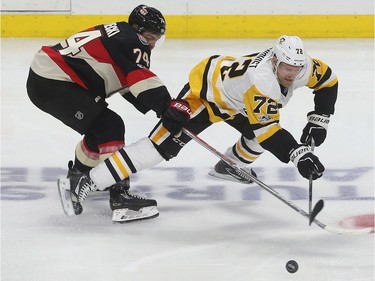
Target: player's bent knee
x,y
108,126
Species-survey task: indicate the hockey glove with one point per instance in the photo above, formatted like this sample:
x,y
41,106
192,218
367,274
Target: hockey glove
x,y
306,162
176,116
315,128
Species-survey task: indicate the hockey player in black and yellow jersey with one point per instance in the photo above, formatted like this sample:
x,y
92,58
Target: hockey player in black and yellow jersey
x,y
246,93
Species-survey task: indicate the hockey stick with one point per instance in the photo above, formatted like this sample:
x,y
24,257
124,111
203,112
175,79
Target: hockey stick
x,y
248,176
319,206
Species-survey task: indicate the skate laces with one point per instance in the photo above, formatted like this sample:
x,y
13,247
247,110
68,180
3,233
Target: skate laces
x,y
134,196
240,173
85,186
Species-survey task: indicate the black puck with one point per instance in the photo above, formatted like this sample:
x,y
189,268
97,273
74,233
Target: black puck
x,y
292,266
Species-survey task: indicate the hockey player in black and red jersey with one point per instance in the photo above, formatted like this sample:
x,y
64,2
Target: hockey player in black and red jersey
x,y
72,80
246,93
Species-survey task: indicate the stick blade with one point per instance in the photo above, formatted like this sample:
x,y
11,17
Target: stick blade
x,y
316,210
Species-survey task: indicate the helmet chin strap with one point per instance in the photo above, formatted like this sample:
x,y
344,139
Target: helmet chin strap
x,y
275,65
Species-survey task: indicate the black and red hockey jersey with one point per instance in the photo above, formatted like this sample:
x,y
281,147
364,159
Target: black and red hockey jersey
x,y
106,59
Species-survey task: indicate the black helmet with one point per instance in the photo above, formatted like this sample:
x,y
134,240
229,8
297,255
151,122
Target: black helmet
x,y
147,18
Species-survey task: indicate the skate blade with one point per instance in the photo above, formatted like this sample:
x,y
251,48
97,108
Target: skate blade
x,y
63,185
215,174
127,215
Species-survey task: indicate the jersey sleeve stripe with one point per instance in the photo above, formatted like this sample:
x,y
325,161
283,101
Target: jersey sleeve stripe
x,y
217,94
204,86
146,84
329,83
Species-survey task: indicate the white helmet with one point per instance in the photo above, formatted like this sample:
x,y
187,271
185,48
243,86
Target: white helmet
x,y
290,50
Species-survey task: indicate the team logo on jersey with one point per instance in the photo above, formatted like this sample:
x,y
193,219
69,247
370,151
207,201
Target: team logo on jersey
x,y
264,118
316,70
142,39
79,115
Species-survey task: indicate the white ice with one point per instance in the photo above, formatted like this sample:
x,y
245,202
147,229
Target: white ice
x,y
207,229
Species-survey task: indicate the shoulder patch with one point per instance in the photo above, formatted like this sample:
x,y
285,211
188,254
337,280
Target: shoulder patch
x,y
142,39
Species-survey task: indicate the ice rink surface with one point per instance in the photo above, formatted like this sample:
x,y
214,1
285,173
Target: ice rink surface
x,y
207,229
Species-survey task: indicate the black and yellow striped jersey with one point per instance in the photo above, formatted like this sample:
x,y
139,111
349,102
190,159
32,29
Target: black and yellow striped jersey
x,y
248,85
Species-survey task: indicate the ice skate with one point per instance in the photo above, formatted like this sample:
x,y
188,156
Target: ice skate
x,y
127,207
74,189
225,172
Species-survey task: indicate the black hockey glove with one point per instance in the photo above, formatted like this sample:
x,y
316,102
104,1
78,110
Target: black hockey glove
x,y
315,128
176,116
306,162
